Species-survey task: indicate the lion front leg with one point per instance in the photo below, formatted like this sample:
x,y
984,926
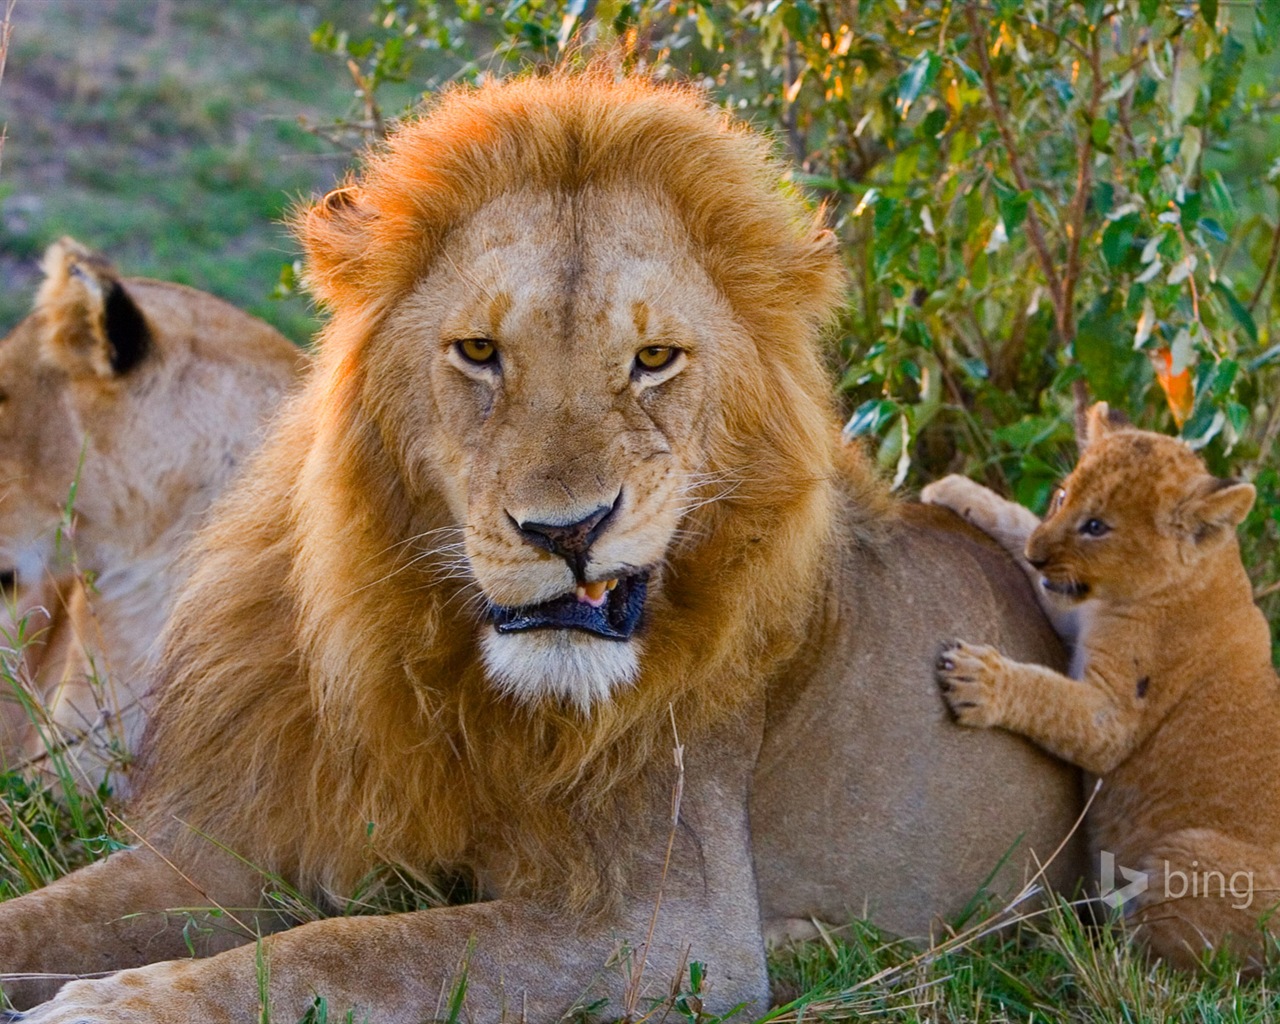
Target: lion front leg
x,y
517,961
132,908
1078,720
521,958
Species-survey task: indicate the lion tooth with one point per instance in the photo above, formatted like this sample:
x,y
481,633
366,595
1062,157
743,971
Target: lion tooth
x,y
611,585
592,593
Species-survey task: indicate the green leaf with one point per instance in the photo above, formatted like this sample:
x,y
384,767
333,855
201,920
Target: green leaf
x,y
1117,240
1100,131
1212,228
1237,309
918,77
933,123
870,416
1209,11
1104,350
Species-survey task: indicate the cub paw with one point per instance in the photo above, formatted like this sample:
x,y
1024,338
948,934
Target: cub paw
x,y
960,494
969,676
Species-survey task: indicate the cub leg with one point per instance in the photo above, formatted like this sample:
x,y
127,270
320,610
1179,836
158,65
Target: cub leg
x,y
1206,890
1009,525
1081,721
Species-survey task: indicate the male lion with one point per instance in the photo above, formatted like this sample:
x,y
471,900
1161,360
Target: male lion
x,y
564,494
130,402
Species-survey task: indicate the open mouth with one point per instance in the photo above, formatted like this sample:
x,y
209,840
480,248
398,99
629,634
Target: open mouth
x,y
605,608
1067,588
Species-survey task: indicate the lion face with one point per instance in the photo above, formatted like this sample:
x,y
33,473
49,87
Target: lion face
x,y
1139,514
562,403
124,404
39,456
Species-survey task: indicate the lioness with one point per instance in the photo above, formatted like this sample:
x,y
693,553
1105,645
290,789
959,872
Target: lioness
x,y
125,406
1175,703
565,494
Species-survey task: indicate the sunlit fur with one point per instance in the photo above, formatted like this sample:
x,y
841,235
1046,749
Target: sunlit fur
x,y
334,662
581,670
1177,706
106,473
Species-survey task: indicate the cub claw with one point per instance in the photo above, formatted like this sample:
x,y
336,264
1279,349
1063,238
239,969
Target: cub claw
x,y
968,679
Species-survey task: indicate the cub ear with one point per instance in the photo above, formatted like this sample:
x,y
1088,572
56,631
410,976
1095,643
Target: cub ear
x,y
1100,421
92,325
1219,505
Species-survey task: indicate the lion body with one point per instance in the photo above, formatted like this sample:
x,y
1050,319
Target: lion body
x,y
128,405
336,692
1177,707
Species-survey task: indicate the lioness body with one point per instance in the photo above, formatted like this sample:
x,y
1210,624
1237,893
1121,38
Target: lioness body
x,y
1176,706
127,405
349,677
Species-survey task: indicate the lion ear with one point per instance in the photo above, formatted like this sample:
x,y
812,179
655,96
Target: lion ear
x,y
92,325
1100,421
334,232
1217,507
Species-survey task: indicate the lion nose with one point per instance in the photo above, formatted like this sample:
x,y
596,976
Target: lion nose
x,y
571,541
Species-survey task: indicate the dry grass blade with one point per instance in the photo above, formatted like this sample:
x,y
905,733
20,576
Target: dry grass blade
x,y
6,32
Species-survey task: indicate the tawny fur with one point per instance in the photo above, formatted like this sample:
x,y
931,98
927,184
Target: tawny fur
x,y
326,704
1176,705
110,459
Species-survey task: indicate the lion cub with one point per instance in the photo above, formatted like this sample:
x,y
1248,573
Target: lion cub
x,y
1175,703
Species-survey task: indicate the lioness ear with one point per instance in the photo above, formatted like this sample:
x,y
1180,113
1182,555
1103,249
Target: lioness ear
x,y
1220,505
92,325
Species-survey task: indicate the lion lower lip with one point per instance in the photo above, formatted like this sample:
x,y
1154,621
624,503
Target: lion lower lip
x,y
1067,588
609,611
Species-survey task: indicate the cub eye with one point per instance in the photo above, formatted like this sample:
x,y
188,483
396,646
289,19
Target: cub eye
x,y
480,351
656,357
1094,528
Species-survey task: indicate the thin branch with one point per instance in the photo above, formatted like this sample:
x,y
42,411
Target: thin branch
x,y
6,33
1075,227
1271,265
1001,117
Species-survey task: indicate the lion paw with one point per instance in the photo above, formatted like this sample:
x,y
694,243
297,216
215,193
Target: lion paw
x,y
958,493
969,676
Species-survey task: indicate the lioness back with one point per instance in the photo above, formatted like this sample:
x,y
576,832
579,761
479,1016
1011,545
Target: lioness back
x,y
1177,706
127,406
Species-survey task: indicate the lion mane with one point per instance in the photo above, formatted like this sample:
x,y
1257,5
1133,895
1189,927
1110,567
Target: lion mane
x,y
374,735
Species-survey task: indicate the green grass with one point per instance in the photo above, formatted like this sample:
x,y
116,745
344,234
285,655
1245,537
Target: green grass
x,y
167,136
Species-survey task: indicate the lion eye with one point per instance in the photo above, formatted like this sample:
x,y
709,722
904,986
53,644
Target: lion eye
x,y
656,357
480,351
1094,528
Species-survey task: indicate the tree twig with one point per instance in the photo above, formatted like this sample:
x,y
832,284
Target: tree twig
x,y
1271,265
1001,117
6,33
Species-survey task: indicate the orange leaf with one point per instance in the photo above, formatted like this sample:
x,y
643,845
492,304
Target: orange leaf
x,y
1178,389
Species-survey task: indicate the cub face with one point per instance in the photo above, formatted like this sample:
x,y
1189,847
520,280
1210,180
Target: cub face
x,y
1139,513
563,401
